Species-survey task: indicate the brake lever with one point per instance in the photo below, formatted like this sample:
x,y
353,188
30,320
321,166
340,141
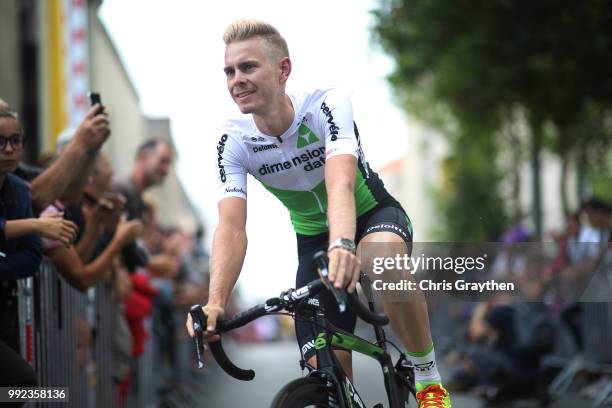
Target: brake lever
x,y
339,294
197,315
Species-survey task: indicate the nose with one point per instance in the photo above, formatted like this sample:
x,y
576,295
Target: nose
x,y
8,147
239,78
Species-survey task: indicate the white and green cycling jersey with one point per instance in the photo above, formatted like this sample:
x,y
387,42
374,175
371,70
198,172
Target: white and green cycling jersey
x,y
291,166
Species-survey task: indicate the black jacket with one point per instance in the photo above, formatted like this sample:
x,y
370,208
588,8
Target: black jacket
x,y
20,257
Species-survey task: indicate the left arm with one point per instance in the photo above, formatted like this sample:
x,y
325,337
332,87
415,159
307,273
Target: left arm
x,y
341,217
340,185
342,149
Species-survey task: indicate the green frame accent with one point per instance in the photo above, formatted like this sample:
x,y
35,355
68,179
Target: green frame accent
x,y
350,342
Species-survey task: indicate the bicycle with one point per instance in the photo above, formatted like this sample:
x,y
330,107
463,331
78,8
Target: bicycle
x,y
327,385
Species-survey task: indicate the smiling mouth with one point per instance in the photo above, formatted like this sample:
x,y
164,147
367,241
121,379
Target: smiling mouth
x,y
242,95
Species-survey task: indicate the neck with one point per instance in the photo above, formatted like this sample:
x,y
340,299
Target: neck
x,y
138,179
278,120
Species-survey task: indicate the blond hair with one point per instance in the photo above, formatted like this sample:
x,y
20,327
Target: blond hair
x,y
244,29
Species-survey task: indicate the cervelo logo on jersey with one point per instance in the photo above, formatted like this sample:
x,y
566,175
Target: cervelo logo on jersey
x,y
257,149
333,128
312,159
306,136
220,149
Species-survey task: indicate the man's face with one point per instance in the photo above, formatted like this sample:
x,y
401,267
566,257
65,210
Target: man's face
x,y
253,75
10,156
156,164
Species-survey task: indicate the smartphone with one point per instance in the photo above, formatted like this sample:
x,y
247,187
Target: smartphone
x,y
94,98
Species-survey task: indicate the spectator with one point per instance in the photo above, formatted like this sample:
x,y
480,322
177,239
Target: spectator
x,y
592,244
73,262
153,161
598,213
20,253
20,247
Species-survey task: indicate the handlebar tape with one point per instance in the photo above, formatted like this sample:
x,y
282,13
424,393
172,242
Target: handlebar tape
x,y
224,362
241,319
216,348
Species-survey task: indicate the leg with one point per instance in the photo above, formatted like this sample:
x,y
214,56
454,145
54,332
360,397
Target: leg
x,y
386,233
409,318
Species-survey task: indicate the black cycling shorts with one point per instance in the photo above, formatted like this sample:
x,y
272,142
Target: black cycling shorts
x,y
380,218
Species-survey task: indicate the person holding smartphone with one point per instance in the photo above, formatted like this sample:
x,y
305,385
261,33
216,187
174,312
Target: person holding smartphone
x,y
68,174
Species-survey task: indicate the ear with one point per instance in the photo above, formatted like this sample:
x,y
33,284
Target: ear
x,y
285,69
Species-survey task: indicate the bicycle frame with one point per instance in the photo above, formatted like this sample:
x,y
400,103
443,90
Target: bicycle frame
x,y
303,305
327,363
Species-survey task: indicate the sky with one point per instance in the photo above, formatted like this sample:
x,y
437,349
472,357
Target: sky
x,y
173,52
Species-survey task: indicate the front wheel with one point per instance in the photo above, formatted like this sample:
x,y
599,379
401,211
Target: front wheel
x,y
304,392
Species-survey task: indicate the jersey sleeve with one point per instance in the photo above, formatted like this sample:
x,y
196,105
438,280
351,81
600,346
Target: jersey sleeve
x,y
230,170
335,117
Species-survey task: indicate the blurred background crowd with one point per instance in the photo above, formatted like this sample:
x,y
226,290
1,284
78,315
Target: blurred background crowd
x,y
95,231
102,252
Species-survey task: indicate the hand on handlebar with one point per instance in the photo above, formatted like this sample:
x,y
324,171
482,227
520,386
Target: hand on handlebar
x,y
214,313
344,269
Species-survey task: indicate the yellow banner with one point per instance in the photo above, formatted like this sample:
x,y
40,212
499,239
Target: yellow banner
x,y
57,119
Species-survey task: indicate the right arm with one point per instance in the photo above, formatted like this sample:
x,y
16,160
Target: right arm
x,y
69,173
228,250
230,240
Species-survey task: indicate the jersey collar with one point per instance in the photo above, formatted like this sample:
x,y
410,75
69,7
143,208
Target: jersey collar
x,y
288,133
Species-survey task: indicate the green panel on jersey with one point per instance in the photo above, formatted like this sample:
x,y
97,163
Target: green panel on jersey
x,y
364,199
305,136
308,209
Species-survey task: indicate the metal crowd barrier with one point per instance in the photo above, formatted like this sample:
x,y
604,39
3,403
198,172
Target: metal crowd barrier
x,y
48,312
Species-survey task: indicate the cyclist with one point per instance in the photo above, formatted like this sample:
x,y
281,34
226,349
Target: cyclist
x,y
305,150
